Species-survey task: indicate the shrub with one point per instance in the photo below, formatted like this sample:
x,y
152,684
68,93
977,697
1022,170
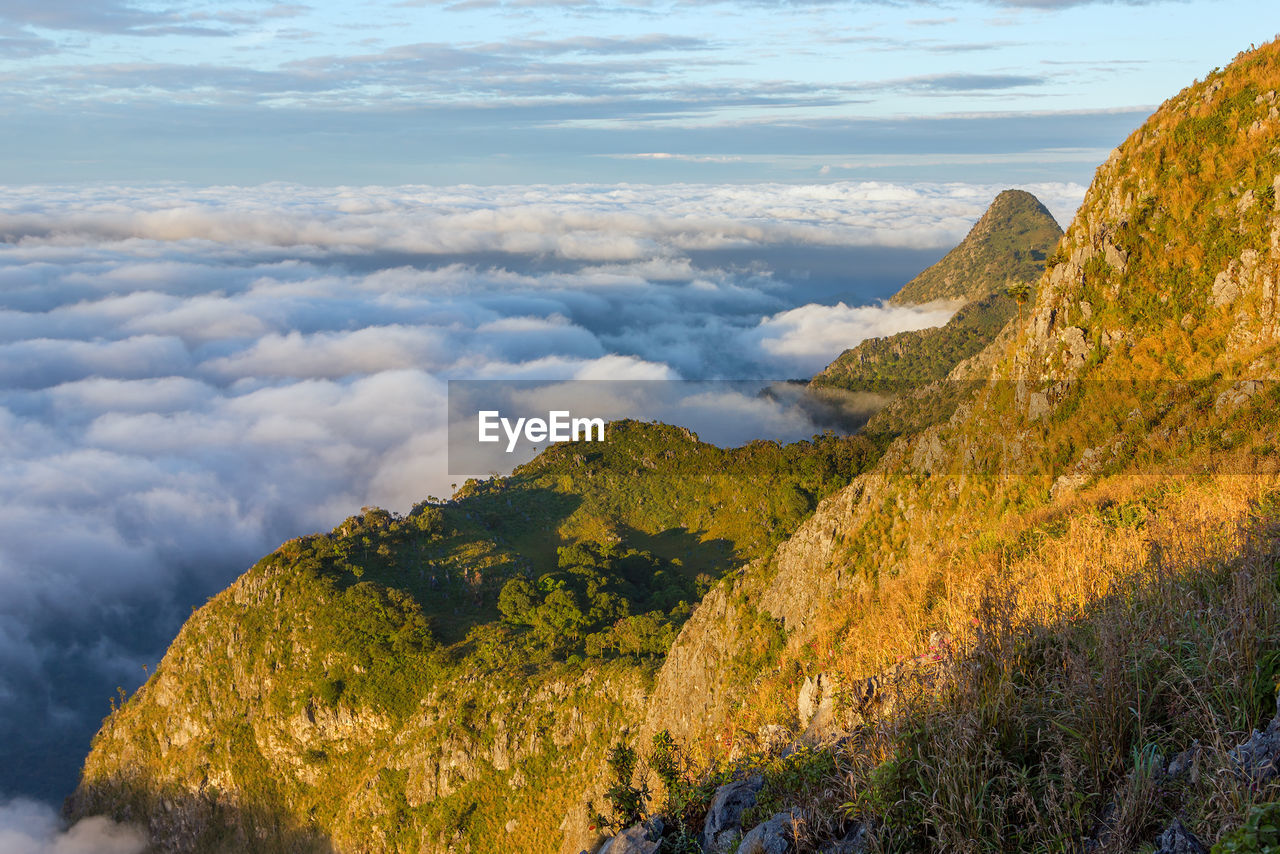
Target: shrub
x,y
1260,834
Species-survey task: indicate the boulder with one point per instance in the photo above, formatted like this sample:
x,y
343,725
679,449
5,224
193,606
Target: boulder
x,y
1176,839
723,826
816,706
642,838
771,837
1076,347
1258,759
857,840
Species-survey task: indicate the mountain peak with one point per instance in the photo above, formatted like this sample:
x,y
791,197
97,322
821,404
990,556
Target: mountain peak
x,y
1010,242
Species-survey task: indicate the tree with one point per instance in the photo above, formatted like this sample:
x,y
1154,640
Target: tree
x,y
627,802
560,616
1019,292
517,601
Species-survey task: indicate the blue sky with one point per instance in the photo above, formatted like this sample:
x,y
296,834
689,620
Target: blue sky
x,y
520,91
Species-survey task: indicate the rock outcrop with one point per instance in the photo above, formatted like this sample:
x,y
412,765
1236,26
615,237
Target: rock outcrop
x,y
774,836
642,838
1176,839
722,829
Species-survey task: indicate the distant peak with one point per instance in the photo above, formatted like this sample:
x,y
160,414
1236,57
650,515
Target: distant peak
x,y
1010,242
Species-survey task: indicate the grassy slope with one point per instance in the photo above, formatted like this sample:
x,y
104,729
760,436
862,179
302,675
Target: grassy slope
x,y
904,361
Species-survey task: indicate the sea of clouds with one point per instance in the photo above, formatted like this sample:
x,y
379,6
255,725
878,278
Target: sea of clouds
x,y
189,376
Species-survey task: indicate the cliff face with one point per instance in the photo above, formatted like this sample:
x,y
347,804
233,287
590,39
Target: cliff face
x,y
452,680
305,709
238,742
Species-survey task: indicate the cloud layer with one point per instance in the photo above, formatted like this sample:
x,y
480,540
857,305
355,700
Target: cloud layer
x,y
28,827
189,377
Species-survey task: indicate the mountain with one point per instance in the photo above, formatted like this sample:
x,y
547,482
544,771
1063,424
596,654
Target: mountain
x,y
1047,621
1012,628
1008,245
451,679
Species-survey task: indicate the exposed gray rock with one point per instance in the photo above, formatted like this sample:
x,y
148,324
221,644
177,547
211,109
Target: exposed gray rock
x,y
723,826
1186,764
1037,406
808,698
857,840
1176,839
1236,396
809,571
1259,758
1115,256
772,837
929,455
1240,275
1075,347
816,705
642,838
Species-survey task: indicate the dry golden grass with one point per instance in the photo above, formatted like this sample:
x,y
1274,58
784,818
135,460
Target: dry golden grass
x,y
1142,618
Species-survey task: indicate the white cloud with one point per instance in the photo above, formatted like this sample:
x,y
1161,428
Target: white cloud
x,y
809,337
27,827
188,378
580,222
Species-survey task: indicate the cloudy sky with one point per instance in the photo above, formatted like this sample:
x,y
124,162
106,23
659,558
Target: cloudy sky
x,y
514,91
244,246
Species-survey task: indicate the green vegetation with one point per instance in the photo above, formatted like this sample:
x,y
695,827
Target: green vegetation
x,y
1011,242
683,802
513,626
908,360
1260,834
628,802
